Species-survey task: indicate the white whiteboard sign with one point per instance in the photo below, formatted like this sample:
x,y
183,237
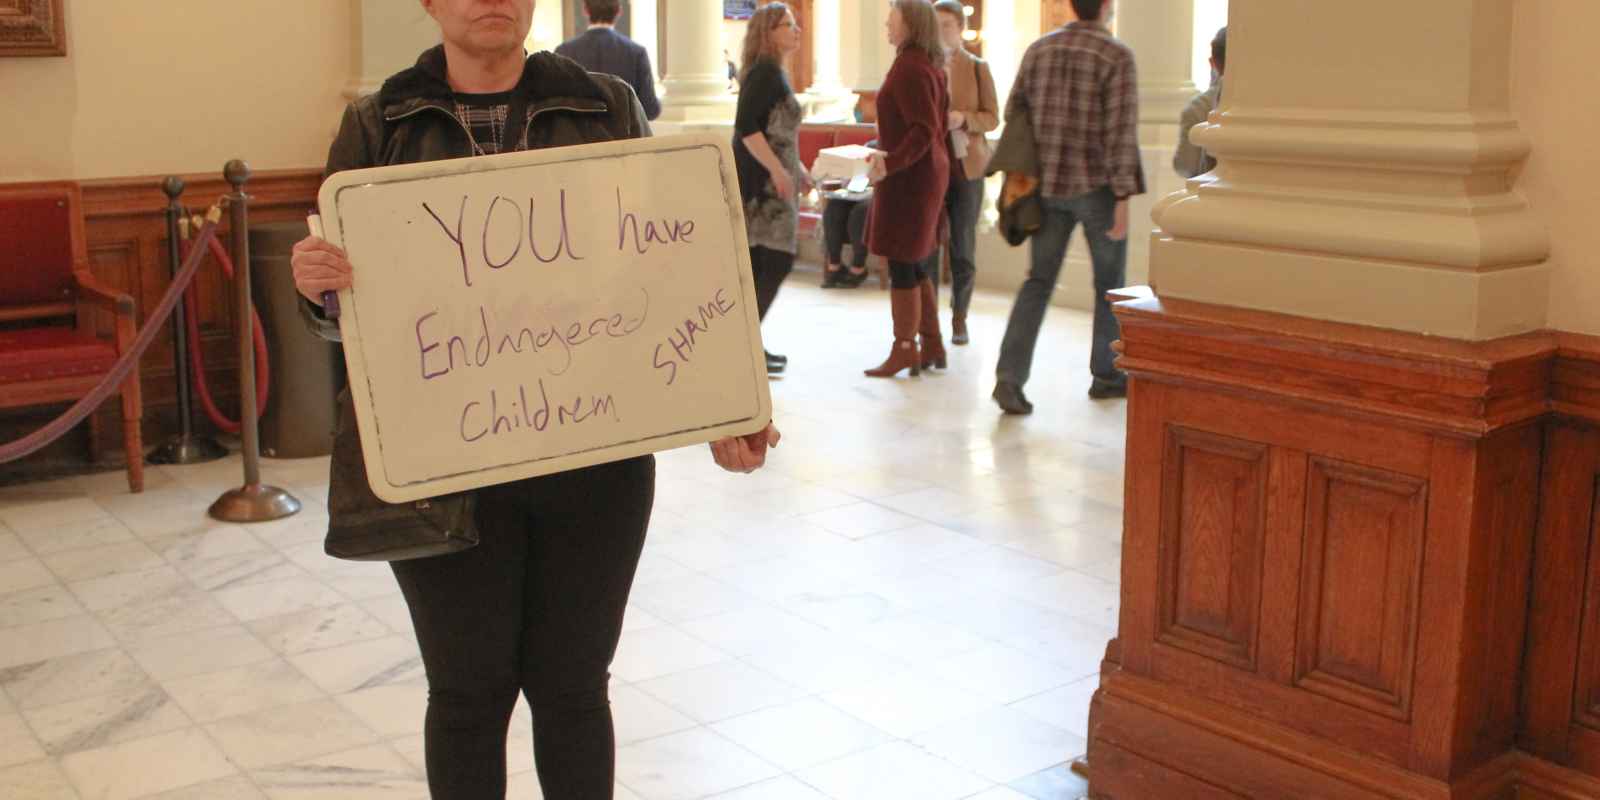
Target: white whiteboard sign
x,y
528,313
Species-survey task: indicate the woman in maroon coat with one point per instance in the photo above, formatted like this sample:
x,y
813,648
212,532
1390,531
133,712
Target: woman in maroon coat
x,y
911,174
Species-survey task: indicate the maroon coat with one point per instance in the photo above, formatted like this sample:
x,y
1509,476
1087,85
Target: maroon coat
x,y
913,107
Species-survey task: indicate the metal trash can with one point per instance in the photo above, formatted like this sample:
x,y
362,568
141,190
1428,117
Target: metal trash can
x,y
307,372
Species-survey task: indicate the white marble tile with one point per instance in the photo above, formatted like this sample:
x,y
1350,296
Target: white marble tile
x,y
395,709
1006,793
661,651
689,598
916,637
37,780
199,652
318,629
784,788
907,703
995,567
363,665
365,587
637,619
1002,674
276,598
688,766
289,734
368,773
17,742
11,547
88,563
29,516
105,720
219,695
752,629
72,677
1066,707
235,788
183,610
1001,744
147,766
801,734
116,591
391,611
310,525
825,664
894,771
1055,782
43,604
720,691
861,519
1074,594
26,644
212,540
75,535
241,569
1069,548
22,575
638,716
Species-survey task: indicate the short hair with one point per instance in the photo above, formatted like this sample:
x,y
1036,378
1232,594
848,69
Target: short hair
x,y
922,30
954,8
1219,47
602,10
1088,10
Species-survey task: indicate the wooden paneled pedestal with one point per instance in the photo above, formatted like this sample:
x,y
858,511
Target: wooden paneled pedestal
x,y
1331,539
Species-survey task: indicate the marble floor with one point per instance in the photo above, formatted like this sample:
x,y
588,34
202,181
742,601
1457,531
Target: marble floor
x,y
909,603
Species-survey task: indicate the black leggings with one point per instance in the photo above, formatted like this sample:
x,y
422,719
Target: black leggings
x,y
536,608
908,275
770,268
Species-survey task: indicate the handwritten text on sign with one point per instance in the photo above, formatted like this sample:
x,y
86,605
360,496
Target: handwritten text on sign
x,y
533,312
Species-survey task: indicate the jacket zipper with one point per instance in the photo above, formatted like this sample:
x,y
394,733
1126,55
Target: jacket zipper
x,y
525,128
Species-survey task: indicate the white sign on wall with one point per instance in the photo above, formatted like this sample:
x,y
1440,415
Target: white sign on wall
x,y
528,313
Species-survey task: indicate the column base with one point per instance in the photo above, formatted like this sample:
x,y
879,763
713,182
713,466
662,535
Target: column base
x,y
829,104
699,111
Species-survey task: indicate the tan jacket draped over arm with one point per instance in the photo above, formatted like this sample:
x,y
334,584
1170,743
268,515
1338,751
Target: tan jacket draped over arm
x,y
972,93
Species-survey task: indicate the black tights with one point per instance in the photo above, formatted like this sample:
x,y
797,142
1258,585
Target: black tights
x,y
907,275
535,609
770,268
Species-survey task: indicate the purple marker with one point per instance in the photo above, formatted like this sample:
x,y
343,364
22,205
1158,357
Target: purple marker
x,y
330,299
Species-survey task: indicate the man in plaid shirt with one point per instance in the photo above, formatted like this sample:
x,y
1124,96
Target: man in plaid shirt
x,y
1077,87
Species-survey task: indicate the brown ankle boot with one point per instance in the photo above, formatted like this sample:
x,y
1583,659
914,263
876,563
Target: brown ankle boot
x,y
933,354
906,304
958,330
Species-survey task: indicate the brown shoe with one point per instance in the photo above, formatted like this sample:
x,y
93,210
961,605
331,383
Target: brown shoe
x,y
933,354
906,306
958,330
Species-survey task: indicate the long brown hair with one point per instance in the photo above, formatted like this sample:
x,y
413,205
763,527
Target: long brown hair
x,y
922,29
758,45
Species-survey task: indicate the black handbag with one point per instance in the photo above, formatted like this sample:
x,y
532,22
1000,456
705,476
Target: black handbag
x,y
362,527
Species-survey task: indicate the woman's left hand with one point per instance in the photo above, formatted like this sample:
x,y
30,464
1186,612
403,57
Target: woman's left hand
x,y
876,169
745,453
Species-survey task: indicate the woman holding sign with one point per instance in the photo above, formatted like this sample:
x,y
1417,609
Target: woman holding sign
x,y
536,606
767,155
911,172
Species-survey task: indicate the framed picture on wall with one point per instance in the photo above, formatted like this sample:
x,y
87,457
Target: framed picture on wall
x,y
738,9
33,28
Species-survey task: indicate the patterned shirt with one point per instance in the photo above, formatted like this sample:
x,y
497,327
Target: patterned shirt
x,y
1079,88
484,117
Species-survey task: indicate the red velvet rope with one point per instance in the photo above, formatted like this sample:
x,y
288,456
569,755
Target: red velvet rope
x,y
197,353
153,322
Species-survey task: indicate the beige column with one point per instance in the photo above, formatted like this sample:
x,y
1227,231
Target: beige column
x,y
828,98
695,86
1367,153
385,40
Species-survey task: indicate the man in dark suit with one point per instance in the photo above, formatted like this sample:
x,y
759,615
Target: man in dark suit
x,y
603,49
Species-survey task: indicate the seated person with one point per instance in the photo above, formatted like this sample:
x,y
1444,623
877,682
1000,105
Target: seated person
x,y
842,220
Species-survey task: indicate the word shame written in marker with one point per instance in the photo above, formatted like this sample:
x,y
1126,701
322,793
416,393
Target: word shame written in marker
x,y
680,344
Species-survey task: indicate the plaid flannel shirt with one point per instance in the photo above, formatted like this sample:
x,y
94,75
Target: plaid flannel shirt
x,y
1079,87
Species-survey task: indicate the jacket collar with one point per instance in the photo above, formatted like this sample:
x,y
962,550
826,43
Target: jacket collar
x,y
547,80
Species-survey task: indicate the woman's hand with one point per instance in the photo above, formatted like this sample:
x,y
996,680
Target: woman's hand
x,y
783,185
958,120
745,453
807,183
319,267
877,169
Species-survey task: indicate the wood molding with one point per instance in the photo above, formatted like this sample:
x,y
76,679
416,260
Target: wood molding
x,y
33,28
142,195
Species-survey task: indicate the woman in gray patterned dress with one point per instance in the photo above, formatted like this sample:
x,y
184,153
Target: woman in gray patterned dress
x,y
766,130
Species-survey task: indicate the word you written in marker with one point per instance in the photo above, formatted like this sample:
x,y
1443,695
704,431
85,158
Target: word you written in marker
x,y
503,231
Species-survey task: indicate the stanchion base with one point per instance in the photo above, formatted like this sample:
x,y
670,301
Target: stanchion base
x,y
254,503
191,449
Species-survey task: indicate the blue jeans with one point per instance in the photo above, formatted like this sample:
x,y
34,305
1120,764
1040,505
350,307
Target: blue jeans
x,y
1097,211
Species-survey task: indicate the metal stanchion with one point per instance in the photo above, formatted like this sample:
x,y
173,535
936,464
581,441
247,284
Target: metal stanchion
x,y
186,447
251,502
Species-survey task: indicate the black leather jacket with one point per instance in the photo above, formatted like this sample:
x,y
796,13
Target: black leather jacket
x,y
412,119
